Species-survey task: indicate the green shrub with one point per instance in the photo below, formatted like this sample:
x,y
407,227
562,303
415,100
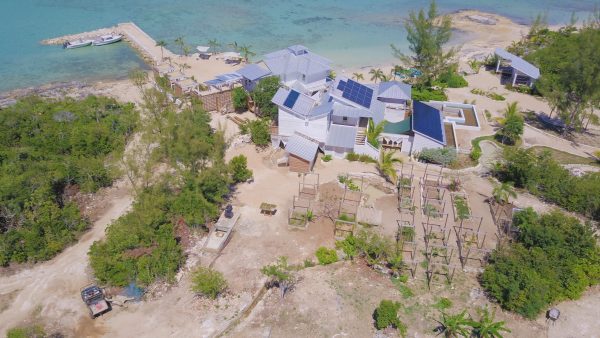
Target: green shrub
x,y
443,304
352,157
366,159
208,282
259,131
349,246
326,256
475,154
442,156
428,94
239,98
262,95
326,158
386,315
31,331
238,167
308,263
453,80
496,97
488,115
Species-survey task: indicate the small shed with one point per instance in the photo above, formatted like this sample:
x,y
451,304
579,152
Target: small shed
x,y
301,153
520,71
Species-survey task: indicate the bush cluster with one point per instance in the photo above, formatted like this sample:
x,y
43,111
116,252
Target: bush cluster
x,y
326,256
50,150
554,258
442,156
428,94
208,282
546,178
259,131
239,98
386,315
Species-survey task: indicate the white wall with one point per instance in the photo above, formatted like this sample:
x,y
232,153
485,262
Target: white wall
x,y
421,142
290,123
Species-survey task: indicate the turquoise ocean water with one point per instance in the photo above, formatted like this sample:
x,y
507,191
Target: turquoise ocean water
x,y
350,32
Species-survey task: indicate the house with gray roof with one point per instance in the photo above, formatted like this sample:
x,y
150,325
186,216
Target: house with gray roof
x,y
299,68
251,74
517,70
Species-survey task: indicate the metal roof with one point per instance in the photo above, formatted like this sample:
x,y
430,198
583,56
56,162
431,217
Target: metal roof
x,y
341,136
202,49
349,111
301,147
519,64
303,104
428,121
296,59
253,72
395,90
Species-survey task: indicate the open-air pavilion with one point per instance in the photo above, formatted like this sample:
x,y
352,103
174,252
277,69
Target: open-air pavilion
x,y
521,72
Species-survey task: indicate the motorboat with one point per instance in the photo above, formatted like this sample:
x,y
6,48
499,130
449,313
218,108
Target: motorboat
x,y
107,39
77,44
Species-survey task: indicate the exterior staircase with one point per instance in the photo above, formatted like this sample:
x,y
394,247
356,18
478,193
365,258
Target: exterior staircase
x,y
361,136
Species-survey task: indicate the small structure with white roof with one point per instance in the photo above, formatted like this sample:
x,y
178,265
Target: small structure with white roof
x,y
520,71
204,52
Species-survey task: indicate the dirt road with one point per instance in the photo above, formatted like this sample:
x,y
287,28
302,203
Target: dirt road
x,y
51,289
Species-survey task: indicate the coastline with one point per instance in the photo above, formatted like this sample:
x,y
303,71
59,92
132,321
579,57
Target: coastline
x,y
483,31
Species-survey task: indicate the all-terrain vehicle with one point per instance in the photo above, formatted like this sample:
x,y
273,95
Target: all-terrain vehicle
x,y
94,298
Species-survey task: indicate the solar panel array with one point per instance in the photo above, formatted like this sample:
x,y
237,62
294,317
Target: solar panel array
x,y
291,99
358,93
341,85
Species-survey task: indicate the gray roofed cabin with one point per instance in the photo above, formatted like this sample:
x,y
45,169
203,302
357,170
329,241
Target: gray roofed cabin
x,y
515,70
302,153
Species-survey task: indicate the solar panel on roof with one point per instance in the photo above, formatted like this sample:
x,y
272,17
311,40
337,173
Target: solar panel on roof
x,y
341,85
358,93
291,99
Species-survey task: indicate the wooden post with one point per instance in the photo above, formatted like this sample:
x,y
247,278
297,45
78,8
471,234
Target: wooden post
x,y
498,65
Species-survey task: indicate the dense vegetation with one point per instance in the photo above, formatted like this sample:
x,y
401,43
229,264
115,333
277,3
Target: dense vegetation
x,y
49,150
144,245
262,95
442,156
570,66
386,315
554,258
546,178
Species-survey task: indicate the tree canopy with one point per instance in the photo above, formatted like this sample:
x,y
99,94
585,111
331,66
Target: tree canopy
x,y
49,150
554,258
427,33
262,95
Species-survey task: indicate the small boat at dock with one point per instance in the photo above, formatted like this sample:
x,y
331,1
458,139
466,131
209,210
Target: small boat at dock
x,y
77,44
107,39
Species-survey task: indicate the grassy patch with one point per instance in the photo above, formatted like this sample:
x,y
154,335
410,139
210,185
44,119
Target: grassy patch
x,y
563,157
443,304
405,291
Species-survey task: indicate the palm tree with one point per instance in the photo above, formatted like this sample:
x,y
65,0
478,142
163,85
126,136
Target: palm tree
x,y
186,50
385,165
162,44
386,78
358,76
487,328
234,46
512,124
246,52
376,74
213,44
179,42
502,192
373,132
455,325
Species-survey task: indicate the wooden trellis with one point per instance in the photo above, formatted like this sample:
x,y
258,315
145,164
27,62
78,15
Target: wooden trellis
x,y
442,269
299,211
308,187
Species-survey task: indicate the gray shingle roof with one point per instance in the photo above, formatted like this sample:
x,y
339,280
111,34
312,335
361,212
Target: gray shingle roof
x,y
253,72
302,106
394,90
301,147
519,64
341,136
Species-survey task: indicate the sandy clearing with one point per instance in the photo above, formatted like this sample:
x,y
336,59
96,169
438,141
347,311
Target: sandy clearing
x,y
52,288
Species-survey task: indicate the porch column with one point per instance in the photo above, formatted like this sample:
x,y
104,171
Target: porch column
x,y
498,65
514,76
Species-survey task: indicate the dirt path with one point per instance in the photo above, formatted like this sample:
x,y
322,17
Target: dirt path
x,y
51,289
